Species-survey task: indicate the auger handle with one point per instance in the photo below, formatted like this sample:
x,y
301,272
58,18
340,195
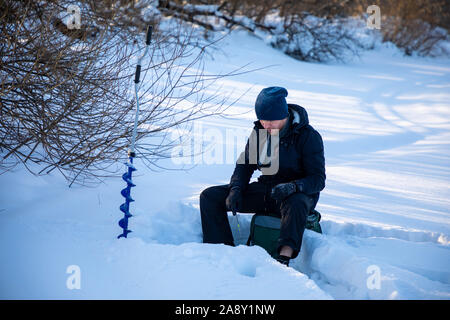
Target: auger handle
x,y
148,39
137,74
149,35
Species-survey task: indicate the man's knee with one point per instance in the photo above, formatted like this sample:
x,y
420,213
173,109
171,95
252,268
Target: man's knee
x,y
205,193
298,202
214,193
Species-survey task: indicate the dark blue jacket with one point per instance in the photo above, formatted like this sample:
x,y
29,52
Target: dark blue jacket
x,y
301,157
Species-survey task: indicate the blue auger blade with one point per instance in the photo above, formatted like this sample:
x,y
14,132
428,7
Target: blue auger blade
x,y
124,234
124,207
127,178
126,194
123,223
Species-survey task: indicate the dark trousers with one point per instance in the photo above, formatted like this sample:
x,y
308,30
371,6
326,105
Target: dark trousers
x,y
256,199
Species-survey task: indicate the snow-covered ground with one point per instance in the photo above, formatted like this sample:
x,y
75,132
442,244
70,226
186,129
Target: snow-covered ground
x,y
385,121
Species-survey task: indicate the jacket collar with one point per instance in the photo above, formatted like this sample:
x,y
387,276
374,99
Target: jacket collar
x,y
299,117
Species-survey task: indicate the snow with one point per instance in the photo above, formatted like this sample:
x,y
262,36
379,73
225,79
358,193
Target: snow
x,y
385,123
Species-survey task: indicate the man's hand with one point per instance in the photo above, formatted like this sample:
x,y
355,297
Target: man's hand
x,y
283,190
234,199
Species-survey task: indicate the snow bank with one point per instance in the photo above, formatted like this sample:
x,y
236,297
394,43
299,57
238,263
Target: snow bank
x,y
159,265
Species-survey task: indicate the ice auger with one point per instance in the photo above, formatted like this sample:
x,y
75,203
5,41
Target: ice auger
x,y
127,176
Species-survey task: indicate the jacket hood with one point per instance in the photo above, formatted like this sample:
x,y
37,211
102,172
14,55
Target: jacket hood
x,y
299,118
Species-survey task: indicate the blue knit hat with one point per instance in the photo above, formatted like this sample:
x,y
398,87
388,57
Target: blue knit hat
x,y
271,104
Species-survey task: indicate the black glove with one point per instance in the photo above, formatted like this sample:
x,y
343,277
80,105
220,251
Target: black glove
x,y
234,199
283,190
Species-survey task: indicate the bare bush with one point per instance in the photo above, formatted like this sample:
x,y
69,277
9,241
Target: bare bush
x,y
66,101
316,30
416,26
288,24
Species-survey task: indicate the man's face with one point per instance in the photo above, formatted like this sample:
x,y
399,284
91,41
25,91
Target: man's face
x,y
273,126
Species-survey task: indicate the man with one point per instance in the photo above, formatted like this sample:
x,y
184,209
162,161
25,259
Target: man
x,y
291,192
